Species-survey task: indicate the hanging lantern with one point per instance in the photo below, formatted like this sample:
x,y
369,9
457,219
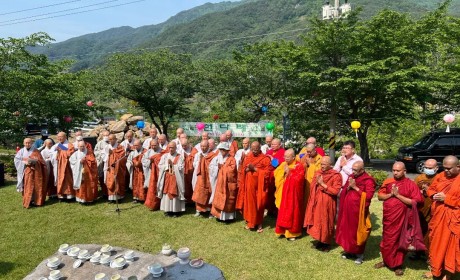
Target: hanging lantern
x,y
67,119
140,124
448,118
355,125
16,114
90,103
200,126
215,117
270,126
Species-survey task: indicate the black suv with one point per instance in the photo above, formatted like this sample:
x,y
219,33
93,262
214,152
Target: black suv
x,y
436,144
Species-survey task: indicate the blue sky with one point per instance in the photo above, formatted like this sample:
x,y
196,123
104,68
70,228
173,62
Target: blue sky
x,y
144,12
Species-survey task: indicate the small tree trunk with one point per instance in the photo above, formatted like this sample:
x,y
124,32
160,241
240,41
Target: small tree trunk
x,y
364,151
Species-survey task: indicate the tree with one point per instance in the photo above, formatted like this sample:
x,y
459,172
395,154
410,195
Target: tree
x,y
162,83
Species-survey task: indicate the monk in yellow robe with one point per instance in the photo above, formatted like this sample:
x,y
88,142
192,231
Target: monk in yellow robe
x,y
311,161
31,174
289,196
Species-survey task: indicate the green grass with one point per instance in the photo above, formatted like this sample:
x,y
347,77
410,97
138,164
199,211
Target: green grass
x,y
27,236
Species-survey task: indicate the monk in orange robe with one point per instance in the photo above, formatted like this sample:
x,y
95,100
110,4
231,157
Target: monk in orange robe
x,y
355,200
47,155
253,183
115,161
62,171
223,204
84,171
400,197
322,205
150,162
136,172
232,142
289,182
423,181
31,174
444,229
189,155
201,180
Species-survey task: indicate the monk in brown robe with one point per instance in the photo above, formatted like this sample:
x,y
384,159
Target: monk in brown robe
x,y
189,155
223,204
136,172
423,181
232,142
31,174
253,183
444,229
62,171
201,180
115,161
150,162
84,171
289,181
322,205
400,197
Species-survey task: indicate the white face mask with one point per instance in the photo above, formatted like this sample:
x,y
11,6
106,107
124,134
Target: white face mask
x,y
430,172
105,138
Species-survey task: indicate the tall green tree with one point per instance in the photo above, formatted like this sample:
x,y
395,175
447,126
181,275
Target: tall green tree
x,y
162,83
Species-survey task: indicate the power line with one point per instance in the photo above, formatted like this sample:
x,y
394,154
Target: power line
x,y
190,44
38,8
68,14
57,12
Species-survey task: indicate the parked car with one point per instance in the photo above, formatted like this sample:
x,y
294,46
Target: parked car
x,y
35,128
436,144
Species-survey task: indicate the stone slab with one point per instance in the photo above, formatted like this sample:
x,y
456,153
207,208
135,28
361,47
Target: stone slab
x,y
172,268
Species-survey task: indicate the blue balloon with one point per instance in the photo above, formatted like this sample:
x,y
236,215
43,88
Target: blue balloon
x,y
264,109
140,124
275,162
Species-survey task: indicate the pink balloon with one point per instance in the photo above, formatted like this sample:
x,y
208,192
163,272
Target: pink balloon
x,y
200,126
68,119
90,103
449,118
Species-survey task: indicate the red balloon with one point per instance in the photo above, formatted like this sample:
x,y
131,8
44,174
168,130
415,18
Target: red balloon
x,y
90,103
68,119
215,117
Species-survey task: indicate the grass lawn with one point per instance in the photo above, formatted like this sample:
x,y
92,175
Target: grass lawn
x,y
27,236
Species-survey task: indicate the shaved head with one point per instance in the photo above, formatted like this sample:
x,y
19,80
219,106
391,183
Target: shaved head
x,y
223,138
326,163
451,166
255,148
212,144
431,163
399,170
289,156
204,136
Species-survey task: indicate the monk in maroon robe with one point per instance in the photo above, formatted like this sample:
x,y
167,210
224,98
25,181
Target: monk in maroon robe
x,y
359,185
322,205
275,153
253,181
398,194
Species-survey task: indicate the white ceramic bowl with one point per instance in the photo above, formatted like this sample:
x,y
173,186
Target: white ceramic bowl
x,y
100,276
183,253
119,262
55,274
54,261
63,249
155,268
129,254
115,277
106,248
73,251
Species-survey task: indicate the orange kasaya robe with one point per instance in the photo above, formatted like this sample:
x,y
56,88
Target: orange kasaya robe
x,y
64,172
424,211
188,174
202,191
233,148
322,206
290,199
34,182
116,172
88,191
253,188
444,226
226,188
139,192
152,201
394,217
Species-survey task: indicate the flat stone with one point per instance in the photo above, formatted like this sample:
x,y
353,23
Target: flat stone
x,y
125,117
171,266
134,119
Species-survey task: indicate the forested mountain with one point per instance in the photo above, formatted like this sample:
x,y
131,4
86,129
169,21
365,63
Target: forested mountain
x,y
214,30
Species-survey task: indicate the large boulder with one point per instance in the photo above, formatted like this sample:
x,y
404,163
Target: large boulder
x,y
118,127
125,117
134,119
120,136
146,129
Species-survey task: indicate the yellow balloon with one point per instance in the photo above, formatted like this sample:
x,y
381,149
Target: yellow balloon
x,y
355,125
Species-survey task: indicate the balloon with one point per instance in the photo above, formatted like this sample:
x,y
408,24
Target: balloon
x,y
90,103
200,126
355,125
275,162
264,109
140,124
215,117
67,119
270,126
448,118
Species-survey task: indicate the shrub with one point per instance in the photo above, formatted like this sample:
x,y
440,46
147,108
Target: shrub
x,y
8,160
378,175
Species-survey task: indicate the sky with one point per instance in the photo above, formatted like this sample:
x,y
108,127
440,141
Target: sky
x,y
66,19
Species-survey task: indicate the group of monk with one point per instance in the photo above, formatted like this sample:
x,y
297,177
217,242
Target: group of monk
x,y
305,191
